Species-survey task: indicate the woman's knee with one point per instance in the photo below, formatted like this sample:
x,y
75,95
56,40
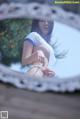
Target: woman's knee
x,y
45,50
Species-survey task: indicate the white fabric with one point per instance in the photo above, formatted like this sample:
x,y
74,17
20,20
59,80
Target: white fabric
x,y
38,40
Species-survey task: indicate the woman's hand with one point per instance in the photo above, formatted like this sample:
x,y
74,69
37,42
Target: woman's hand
x,y
39,57
47,72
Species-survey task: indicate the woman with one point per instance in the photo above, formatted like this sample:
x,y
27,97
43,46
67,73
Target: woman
x,y
36,49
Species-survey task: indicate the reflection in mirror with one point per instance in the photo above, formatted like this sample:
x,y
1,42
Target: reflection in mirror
x,y
68,40
63,58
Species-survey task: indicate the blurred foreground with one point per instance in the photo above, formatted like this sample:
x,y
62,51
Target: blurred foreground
x,y
23,104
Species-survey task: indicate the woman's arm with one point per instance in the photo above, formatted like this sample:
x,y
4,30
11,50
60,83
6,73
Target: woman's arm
x,y
27,53
30,57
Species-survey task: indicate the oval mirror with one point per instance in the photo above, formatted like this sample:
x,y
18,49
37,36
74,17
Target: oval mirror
x,y
65,41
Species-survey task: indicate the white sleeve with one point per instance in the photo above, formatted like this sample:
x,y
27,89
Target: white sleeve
x,y
33,37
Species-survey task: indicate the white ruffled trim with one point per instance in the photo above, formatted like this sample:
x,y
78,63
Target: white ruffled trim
x,y
54,84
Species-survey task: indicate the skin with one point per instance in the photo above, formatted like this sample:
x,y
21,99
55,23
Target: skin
x,y
38,55
44,27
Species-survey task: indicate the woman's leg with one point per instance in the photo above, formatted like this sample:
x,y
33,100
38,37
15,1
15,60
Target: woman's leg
x,y
47,50
37,67
38,70
44,44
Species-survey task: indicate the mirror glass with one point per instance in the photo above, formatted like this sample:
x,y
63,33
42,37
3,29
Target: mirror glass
x,y
65,38
68,40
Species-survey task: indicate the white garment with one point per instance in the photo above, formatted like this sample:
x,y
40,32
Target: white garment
x,y
36,39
